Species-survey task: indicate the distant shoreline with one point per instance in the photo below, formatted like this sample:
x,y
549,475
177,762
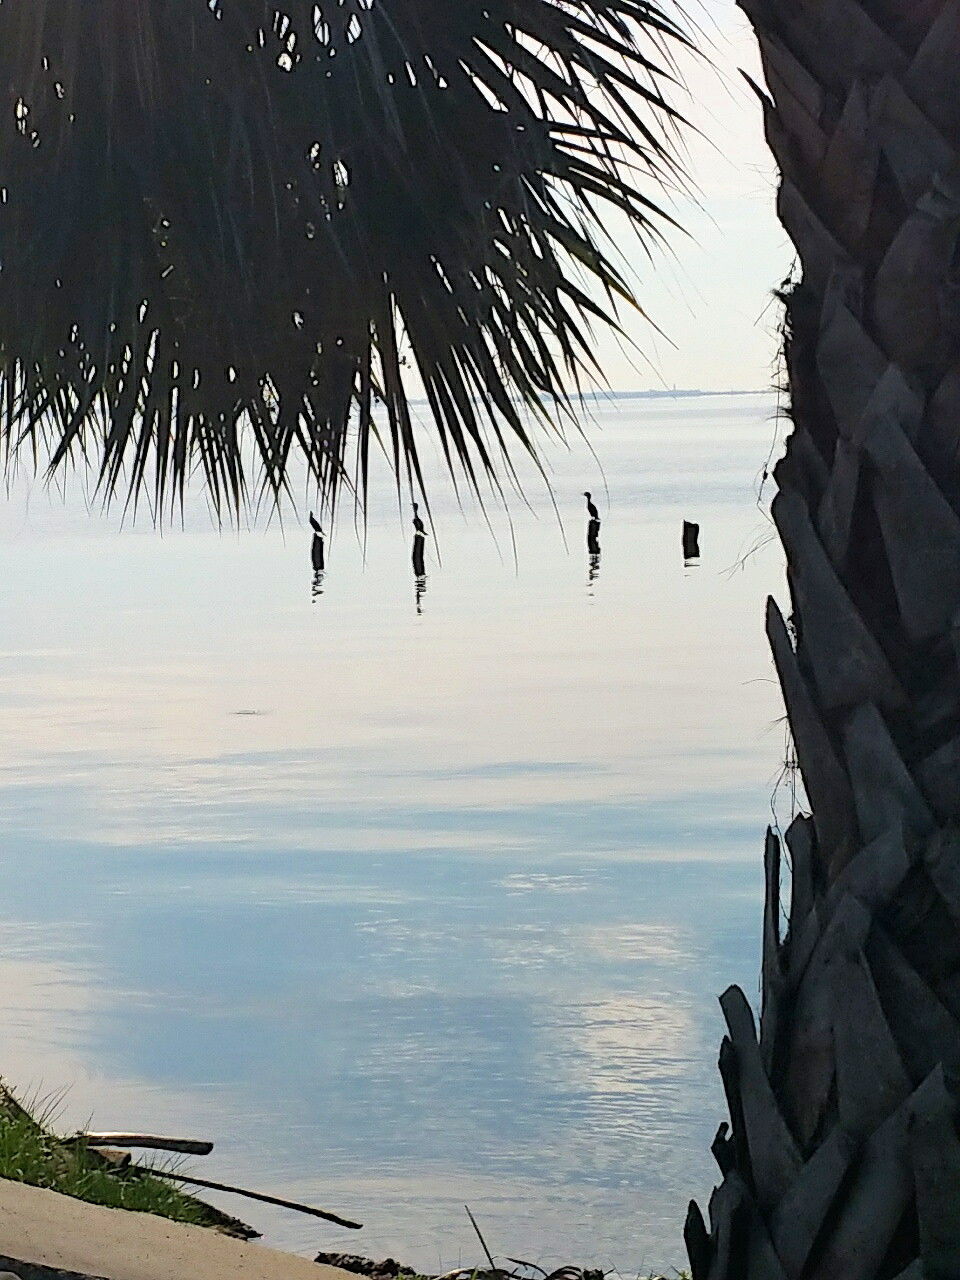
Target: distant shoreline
x,y
679,394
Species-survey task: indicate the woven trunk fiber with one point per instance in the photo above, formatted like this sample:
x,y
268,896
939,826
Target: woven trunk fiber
x,y
841,1160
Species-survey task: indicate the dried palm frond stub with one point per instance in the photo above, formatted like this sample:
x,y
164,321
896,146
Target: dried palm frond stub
x,y
223,220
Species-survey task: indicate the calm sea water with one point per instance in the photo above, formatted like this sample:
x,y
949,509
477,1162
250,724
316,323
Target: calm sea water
x,y
405,910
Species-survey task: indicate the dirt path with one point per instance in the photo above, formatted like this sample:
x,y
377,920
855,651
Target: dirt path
x,y
45,1229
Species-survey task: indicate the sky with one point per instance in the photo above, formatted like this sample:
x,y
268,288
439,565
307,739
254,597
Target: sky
x,y
711,293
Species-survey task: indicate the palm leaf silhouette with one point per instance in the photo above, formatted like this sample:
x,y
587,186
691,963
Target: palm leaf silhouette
x,y
226,228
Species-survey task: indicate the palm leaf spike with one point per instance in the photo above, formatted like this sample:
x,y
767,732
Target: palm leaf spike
x,y
219,222
842,1158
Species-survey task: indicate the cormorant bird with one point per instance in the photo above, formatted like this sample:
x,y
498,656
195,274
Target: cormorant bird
x,y
419,527
592,511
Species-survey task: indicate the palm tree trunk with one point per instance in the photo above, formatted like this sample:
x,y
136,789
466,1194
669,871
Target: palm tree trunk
x,y
842,1160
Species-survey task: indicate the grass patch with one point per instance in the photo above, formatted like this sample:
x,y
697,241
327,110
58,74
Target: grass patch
x,y
31,1153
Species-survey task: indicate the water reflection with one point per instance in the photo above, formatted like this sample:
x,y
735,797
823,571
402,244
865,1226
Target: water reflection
x,y
413,910
395,1012
593,569
316,588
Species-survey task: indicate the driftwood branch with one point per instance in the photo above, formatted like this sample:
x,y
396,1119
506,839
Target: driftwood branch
x,y
185,1146
251,1195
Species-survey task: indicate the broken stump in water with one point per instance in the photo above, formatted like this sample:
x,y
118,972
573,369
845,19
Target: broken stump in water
x,y
691,541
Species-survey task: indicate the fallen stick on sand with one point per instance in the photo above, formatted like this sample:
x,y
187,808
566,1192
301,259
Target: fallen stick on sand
x,y
250,1195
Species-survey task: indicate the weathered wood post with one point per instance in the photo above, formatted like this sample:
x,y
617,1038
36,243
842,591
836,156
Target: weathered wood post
x,y
691,541
419,565
593,537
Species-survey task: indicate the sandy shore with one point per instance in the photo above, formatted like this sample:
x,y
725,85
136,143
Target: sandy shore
x,y
44,1229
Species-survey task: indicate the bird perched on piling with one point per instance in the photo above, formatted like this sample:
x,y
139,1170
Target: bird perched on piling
x,y
593,527
419,527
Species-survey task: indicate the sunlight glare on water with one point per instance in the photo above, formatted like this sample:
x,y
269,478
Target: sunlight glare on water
x,y
404,910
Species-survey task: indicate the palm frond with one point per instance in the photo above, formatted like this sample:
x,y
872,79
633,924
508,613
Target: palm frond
x,y
223,223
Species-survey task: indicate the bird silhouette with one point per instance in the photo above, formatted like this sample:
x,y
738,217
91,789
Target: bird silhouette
x,y
592,511
418,524
314,525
